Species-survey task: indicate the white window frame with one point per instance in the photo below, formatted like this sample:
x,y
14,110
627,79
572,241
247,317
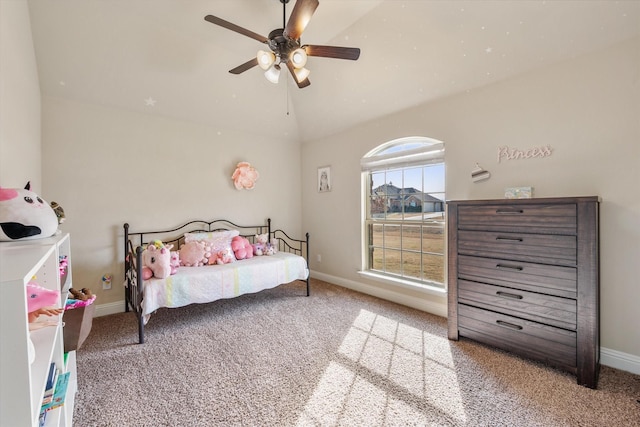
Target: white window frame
x,y
428,151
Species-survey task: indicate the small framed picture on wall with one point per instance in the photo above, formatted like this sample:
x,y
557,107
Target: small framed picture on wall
x,y
324,179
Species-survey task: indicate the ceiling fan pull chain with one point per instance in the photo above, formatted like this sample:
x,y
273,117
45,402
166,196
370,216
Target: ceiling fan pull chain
x,y
287,95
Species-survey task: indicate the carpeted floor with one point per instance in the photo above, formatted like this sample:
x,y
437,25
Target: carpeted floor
x,y
336,358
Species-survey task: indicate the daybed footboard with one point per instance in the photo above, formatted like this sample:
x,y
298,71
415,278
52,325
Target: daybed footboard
x,y
134,284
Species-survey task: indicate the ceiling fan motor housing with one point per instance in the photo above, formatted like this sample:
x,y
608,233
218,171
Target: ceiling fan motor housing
x,y
280,45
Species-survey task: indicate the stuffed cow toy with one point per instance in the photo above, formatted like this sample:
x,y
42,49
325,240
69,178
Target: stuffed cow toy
x,y
25,216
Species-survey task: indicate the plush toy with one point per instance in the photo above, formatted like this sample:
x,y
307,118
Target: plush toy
x,y
39,301
156,261
38,298
274,245
194,254
222,257
175,261
241,247
57,209
260,244
25,216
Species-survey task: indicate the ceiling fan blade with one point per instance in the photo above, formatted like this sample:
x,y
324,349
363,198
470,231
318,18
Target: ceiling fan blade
x,y
301,84
300,17
337,52
244,67
233,27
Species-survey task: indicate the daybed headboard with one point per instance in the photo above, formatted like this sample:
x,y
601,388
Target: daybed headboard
x,y
175,236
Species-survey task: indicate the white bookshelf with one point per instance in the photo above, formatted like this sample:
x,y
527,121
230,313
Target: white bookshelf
x,y
23,383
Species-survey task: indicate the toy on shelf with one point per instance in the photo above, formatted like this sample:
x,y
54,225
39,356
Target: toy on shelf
x,y
57,209
63,268
81,298
25,216
40,301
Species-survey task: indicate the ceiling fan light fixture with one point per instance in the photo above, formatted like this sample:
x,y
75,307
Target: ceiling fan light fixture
x,y
301,73
298,57
273,74
265,59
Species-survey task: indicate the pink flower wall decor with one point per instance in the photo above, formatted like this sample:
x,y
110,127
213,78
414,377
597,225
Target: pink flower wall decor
x,y
245,176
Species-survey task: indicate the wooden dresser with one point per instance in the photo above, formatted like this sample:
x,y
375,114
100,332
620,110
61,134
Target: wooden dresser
x,y
523,276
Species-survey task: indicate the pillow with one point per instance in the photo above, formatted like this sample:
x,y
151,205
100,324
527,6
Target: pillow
x,y
217,240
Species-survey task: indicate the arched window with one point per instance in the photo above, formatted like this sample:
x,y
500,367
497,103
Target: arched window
x,y
404,224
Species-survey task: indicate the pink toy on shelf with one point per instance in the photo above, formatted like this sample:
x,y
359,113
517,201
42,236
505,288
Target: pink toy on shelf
x,y
41,301
76,303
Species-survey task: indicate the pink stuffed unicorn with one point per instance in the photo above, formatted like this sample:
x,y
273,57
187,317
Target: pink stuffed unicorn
x,y
156,261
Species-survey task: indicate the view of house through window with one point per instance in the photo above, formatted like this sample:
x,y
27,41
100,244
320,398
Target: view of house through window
x,y
405,210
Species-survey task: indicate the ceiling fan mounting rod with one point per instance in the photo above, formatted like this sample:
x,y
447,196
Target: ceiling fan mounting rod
x,y
284,12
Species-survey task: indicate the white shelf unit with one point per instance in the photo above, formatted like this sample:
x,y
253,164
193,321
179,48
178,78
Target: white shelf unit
x,y
23,383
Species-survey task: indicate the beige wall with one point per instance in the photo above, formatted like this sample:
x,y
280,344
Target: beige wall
x,y
19,100
107,166
93,156
587,109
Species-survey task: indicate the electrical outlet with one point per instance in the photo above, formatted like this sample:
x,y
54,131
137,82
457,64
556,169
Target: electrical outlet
x,y
106,282
319,258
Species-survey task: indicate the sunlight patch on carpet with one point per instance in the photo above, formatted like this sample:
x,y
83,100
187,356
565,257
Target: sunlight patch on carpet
x,y
378,354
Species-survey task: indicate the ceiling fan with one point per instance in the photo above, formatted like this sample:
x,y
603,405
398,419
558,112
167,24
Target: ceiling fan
x,y
285,47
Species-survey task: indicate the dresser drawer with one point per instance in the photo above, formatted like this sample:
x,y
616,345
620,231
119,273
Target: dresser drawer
x,y
539,248
551,345
546,279
530,218
550,310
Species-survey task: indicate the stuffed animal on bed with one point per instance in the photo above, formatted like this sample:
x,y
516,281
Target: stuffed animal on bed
x,y
194,254
156,261
175,261
241,248
25,216
260,244
222,257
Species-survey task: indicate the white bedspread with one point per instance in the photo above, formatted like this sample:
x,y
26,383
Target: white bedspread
x,y
214,282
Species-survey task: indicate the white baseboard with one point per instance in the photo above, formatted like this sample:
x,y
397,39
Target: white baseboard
x,y
386,294
109,308
608,357
619,360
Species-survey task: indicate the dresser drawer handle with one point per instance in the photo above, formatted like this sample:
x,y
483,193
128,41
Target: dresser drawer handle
x,y
509,211
508,295
509,267
509,325
511,239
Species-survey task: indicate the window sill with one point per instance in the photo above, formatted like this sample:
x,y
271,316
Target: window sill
x,y
426,289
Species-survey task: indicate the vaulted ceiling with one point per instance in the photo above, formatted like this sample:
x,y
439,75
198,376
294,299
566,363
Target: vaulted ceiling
x,y
161,57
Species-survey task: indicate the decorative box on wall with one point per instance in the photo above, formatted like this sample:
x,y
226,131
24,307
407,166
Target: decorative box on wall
x,y
524,277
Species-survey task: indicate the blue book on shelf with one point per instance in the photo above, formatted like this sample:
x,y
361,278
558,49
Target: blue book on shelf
x,y
51,377
60,392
